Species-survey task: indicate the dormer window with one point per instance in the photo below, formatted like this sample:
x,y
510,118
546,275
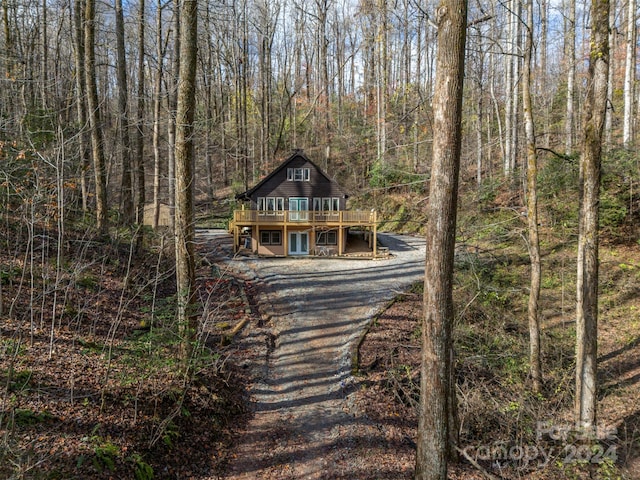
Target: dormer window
x,y
298,174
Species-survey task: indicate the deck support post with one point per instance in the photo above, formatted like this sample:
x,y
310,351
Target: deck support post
x,y
375,236
257,239
285,240
236,238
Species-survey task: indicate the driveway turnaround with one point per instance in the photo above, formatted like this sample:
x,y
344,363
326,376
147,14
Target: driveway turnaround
x,y
318,309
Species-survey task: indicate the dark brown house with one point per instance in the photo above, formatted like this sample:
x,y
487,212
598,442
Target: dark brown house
x,y
298,210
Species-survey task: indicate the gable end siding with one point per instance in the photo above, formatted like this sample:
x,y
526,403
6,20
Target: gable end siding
x,y
318,185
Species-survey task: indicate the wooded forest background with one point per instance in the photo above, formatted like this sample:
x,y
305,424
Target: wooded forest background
x,y
350,82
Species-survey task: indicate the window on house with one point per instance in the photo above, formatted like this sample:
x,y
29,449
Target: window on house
x,y
271,237
329,237
298,174
317,204
271,205
335,204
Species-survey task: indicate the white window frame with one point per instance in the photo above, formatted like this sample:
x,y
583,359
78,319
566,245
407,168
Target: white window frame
x,y
298,174
260,205
271,206
298,214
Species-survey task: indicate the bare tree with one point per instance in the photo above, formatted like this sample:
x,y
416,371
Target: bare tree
x,y
512,74
124,141
157,106
81,103
437,395
535,365
587,281
570,53
629,76
140,116
608,123
184,231
93,113
172,105
382,77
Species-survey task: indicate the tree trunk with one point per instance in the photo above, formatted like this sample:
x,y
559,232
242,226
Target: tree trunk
x,y
587,282
172,105
8,39
140,131
44,58
535,365
184,155
382,78
437,392
512,79
81,102
571,77
97,146
629,76
124,143
608,123
157,103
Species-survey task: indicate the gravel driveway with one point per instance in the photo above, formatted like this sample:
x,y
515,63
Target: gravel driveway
x,y
318,308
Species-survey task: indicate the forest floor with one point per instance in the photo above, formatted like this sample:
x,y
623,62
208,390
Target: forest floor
x,y
304,427
89,372
504,430
89,392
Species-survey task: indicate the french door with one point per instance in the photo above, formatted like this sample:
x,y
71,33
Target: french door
x,y
298,209
298,243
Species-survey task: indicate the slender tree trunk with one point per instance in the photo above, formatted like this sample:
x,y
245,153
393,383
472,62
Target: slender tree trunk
x,y
513,94
81,102
629,76
124,143
44,59
543,74
382,78
157,103
322,9
97,146
608,125
172,100
140,130
535,364
515,91
436,432
569,127
587,282
502,141
8,39
184,191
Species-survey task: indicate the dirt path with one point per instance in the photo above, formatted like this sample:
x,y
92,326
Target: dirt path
x,y
319,308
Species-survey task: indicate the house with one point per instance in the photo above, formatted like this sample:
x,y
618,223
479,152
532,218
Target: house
x,y
299,210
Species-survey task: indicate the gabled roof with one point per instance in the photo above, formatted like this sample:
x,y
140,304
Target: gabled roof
x,y
298,153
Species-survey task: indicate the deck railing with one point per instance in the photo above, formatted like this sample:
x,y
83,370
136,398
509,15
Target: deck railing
x,y
345,217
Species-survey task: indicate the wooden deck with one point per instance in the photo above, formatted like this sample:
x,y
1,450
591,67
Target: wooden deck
x,y
292,220
347,218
